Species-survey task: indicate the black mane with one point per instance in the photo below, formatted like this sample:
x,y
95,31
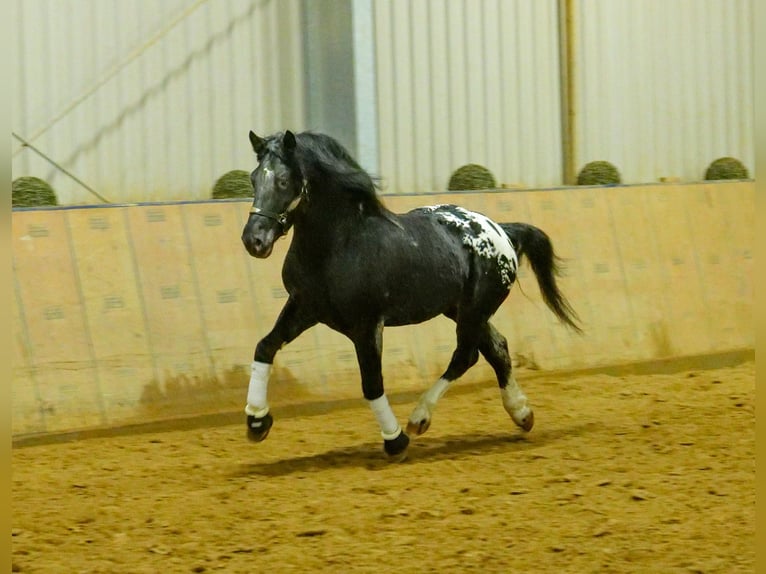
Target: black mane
x,y
322,159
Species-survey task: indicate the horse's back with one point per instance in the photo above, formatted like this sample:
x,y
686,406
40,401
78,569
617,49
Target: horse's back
x,y
406,268
459,259
483,238
413,269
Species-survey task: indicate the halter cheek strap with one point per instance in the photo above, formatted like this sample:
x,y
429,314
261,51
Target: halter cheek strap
x,y
281,218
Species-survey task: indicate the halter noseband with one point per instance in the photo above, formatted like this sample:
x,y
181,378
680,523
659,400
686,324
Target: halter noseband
x,y
281,218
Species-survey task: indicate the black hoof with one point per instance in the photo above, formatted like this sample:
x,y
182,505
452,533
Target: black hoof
x,y
258,429
396,448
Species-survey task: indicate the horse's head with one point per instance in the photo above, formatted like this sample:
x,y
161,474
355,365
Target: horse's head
x,y
278,186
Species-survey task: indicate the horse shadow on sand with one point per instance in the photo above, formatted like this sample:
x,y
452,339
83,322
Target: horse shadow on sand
x,y
422,450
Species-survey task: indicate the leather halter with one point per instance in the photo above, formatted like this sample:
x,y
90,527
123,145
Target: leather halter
x,y
281,218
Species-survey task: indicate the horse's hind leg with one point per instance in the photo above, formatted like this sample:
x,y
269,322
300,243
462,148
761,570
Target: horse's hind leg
x,y
465,356
494,348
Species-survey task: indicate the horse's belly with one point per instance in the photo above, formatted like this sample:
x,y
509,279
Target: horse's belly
x,y
399,317
415,305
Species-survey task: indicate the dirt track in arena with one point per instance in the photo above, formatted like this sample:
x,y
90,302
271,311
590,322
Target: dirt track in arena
x,y
633,473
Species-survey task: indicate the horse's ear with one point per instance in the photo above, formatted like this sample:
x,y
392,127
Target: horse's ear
x,y
256,142
288,141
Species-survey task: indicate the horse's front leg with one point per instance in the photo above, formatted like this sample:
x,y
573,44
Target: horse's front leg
x,y
293,320
369,346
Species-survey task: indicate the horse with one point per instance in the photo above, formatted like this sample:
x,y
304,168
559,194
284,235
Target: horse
x,y
357,267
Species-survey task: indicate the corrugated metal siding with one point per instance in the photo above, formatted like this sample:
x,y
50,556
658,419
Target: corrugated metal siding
x,y
467,81
169,123
664,87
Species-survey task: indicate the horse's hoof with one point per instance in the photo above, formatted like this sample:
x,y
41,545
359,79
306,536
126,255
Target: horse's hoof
x,y
418,428
527,422
258,428
396,448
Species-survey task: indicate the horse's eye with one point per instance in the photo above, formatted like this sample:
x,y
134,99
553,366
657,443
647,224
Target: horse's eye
x,y
282,182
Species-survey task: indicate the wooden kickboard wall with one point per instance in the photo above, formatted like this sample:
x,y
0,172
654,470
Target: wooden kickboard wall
x,y
127,314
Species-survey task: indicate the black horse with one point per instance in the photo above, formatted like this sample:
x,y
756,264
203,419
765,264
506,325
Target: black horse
x,y
357,267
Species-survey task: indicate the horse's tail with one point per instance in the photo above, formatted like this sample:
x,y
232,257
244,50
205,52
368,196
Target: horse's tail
x,y
536,245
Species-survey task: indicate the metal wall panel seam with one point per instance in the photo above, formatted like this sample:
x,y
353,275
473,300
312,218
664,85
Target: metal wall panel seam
x,y
385,105
457,135
420,71
439,102
501,145
234,79
474,73
488,51
211,82
20,109
274,48
298,105
746,129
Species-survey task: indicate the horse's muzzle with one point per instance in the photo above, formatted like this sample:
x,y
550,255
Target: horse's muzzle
x,y
257,248
259,241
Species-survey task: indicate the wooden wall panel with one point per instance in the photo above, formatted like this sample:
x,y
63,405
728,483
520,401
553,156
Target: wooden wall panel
x,y
169,290
138,313
59,344
219,265
687,317
113,307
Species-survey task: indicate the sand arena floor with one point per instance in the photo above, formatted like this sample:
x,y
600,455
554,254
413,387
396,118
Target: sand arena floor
x,y
634,473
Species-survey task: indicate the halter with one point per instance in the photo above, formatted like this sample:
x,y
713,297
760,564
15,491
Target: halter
x,y
281,218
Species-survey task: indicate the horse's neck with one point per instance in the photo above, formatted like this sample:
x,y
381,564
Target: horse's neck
x,y
329,220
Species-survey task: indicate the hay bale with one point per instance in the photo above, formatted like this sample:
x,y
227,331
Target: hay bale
x,y
235,183
726,168
598,173
471,176
28,191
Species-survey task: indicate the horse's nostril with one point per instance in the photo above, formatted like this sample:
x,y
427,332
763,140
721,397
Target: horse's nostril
x,y
257,243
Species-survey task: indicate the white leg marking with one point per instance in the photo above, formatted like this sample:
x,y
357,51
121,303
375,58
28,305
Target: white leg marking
x,y
514,400
389,427
257,405
428,400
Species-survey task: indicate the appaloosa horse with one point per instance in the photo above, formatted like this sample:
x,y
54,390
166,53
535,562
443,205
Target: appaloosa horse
x,y
356,267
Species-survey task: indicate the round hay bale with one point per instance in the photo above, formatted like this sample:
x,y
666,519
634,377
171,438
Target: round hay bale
x,y
598,173
235,183
28,191
726,168
471,176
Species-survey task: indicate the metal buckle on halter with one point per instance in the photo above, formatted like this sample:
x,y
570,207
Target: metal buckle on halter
x,y
280,218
